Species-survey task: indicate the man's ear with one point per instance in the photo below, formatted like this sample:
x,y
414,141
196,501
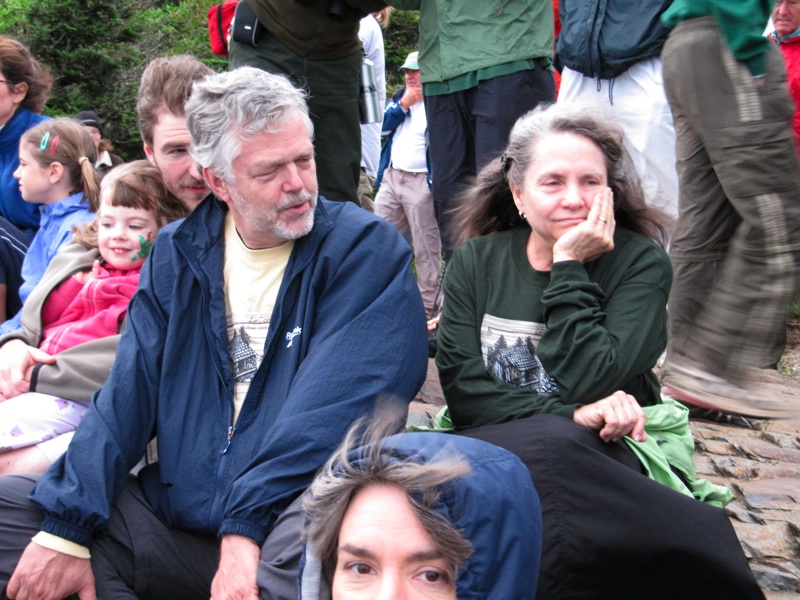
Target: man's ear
x,y
219,187
148,152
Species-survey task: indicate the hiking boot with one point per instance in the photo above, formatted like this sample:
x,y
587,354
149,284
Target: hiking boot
x,y
687,382
775,377
716,416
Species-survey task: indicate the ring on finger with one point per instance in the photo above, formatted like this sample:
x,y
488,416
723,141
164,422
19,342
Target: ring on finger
x,y
602,219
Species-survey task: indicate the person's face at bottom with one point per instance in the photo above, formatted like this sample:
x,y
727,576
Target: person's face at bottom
x,y
170,153
384,552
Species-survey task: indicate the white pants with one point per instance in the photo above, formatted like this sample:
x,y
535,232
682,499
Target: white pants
x,y
41,420
636,101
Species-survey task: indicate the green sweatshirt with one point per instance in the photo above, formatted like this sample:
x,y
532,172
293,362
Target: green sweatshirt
x,y
473,38
515,342
669,449
742,23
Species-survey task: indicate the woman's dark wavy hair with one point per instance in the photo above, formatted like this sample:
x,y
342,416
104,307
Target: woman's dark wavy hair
x,y
488,205
18,66
363,460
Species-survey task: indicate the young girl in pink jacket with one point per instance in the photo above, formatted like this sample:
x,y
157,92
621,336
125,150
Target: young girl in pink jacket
x,y
79,307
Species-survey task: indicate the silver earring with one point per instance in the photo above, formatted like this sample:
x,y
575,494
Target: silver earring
x,y
522,215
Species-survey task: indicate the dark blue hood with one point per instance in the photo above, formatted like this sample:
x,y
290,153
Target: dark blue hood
x,y
494,506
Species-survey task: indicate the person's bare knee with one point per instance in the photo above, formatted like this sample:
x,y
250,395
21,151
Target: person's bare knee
x,y
23,460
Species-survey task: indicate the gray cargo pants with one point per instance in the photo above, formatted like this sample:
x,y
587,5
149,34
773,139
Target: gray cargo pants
x,y
739,210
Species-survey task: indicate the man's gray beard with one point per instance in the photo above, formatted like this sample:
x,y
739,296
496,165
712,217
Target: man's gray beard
x,y
307,220
267,219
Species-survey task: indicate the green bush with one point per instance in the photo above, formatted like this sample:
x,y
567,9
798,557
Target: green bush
x,y
90,46
12,17
97,50
399,39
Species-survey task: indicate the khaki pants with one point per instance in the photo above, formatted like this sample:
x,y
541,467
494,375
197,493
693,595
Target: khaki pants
x,y
406,202
739,207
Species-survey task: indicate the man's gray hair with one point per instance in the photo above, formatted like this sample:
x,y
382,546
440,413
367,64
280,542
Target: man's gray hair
x,y
226,108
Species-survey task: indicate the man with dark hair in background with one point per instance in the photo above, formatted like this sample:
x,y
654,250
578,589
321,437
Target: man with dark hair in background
x,y
165,87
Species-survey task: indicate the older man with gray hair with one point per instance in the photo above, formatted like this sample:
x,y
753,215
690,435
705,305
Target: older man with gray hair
x,y
239,357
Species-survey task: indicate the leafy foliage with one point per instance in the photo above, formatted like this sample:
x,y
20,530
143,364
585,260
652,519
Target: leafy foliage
x,y
400,39
12,16
89,46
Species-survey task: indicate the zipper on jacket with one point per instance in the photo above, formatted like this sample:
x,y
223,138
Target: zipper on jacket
x,y
273,336
232,426
227,443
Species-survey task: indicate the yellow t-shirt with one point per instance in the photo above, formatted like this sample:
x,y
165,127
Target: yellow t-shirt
x,y
252,281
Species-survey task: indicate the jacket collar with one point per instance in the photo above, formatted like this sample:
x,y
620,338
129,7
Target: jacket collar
x,y
64,207
19,123
203,231
792,37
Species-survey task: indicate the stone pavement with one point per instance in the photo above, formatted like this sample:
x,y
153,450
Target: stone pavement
x,y
762,468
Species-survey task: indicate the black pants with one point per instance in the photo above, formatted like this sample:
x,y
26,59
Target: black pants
x,y
611,532
140,556
466,130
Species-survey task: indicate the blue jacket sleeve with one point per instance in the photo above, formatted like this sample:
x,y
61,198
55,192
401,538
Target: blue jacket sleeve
x,y
394,114
114,434
369,347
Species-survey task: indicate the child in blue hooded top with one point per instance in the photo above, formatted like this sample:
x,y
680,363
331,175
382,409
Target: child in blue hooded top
x,y
421,515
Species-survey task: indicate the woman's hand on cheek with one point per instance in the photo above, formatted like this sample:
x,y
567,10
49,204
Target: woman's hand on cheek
x,y
592,238
614,417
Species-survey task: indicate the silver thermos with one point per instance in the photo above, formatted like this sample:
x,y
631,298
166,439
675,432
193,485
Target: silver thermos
x,y
371,110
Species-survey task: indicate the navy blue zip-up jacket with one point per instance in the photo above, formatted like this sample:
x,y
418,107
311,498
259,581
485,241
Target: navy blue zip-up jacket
x,y
348,330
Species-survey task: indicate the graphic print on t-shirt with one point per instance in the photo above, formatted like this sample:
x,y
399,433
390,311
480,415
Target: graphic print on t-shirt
x,y
509,353
246,345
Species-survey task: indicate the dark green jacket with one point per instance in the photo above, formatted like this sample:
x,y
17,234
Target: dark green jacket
x,y
461,36
305,27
